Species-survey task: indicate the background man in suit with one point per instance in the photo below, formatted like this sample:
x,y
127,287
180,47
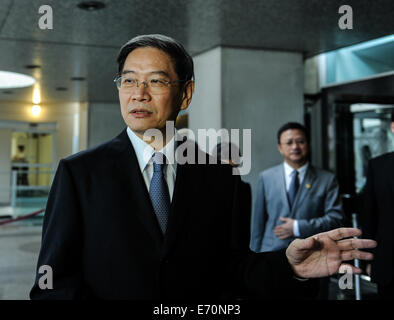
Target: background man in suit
x,y
124,221
294,199
378,219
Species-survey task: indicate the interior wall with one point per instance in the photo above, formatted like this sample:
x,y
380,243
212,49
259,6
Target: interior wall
x,y
5,165
105,122
205,110
249,89
262,90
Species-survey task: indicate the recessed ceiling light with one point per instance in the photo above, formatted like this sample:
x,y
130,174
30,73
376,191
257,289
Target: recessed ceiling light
x,y
61,89
32,66
78,78
10,80
91,5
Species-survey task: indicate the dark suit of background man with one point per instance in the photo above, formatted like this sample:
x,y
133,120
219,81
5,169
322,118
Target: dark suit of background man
x,y
120,224
378,219
289,205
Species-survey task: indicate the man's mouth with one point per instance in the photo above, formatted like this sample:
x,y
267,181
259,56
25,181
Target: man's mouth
x,y
140,113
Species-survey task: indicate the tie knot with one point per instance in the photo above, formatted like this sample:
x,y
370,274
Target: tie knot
x,y
294,173
159,159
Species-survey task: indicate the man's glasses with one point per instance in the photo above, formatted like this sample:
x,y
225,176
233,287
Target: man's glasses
x,y
127,83
299,142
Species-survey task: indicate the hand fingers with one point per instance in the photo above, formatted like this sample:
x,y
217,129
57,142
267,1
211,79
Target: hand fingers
x,y
356,254
279,234
350,244
282,233
340,233
306,244
282,218
279,230
345,268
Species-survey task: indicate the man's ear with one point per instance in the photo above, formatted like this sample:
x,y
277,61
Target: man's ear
x,y
392,127
280,149
187,94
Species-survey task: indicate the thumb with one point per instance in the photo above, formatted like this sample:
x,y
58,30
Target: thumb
x,y
310,243
283,218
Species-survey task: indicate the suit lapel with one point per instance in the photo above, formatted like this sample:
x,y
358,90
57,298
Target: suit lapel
x,y
133,182
305,187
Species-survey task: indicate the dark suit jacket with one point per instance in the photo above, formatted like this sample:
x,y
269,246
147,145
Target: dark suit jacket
x,y
102,239
245,200
378,216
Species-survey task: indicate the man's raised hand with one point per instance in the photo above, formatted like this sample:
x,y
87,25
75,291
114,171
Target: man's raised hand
x,y
323,254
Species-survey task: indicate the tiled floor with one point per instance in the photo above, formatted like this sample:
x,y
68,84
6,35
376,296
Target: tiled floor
x,y
19,247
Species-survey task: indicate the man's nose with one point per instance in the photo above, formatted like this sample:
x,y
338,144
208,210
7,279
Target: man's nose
x,y
294,146
140,92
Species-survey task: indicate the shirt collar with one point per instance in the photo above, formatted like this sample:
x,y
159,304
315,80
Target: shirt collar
x,y
289,169
145,152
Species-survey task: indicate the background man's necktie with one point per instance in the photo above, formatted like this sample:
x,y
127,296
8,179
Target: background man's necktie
x,y
158,191
294,185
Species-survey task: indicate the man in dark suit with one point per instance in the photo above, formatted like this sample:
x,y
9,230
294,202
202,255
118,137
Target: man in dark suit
x,y
378,219
125,221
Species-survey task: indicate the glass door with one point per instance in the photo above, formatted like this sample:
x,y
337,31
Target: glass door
x,y
32,163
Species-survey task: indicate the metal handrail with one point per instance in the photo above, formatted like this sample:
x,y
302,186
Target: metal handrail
x,y
357,286
22,217
15,187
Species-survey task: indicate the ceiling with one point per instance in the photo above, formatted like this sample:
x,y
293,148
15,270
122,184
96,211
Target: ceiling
x,y
383,54
85,44
372,90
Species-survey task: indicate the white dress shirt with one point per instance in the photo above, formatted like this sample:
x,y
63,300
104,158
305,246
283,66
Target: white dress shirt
x,y
144,154
301,175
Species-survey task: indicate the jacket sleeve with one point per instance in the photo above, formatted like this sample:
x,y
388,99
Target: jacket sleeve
x,y
61,247
333,213
258,218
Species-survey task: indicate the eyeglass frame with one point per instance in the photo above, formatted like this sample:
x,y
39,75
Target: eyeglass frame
x,y
298,143
167,83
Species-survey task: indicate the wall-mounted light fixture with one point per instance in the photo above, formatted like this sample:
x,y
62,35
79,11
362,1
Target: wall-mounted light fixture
x,y
36,110
36,94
